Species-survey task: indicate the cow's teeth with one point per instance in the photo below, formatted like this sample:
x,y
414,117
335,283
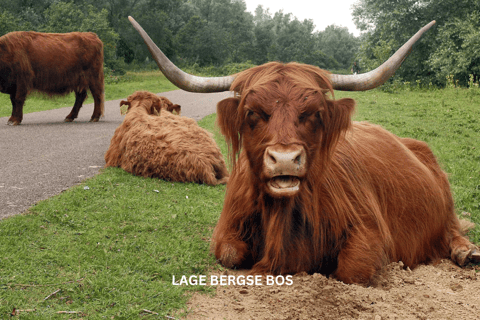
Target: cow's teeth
x,y
283,182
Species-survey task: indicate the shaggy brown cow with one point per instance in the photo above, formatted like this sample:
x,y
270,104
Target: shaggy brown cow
x,y
55,64
152,142
313,191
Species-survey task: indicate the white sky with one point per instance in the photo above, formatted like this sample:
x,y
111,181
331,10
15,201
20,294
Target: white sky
x,y
322,12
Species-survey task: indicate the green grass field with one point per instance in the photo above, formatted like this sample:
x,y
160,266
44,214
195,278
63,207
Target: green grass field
x,y
112,243
115,88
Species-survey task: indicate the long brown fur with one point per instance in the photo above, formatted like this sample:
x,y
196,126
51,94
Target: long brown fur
x,y
55,64
153,142
368,198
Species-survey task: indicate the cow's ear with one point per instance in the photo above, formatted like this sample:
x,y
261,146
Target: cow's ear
x,y
155,107
227,120
338,119
175,109
342,114
124,110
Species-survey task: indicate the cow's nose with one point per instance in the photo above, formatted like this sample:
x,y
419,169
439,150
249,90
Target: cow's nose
x,y
285,161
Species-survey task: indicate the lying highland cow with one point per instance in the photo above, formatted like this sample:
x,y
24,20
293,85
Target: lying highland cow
x,y
153,142
311,190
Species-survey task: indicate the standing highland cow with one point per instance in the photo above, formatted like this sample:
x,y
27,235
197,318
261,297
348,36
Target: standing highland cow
x,y
153,142
55,64
313,191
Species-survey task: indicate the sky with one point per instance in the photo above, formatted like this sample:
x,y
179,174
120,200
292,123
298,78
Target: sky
x,y
322,12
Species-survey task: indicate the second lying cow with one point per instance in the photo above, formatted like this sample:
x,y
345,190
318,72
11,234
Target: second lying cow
x,y
153,142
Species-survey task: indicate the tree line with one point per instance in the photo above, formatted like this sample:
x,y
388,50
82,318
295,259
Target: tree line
x,y
200,32
449,49
221,32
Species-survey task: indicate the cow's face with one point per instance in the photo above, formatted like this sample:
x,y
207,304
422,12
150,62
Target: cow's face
x,y
152,103
284,127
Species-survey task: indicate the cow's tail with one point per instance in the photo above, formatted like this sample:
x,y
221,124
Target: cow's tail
x,y
102,99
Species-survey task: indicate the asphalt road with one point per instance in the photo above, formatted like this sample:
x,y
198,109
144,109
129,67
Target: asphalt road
x,y
45,156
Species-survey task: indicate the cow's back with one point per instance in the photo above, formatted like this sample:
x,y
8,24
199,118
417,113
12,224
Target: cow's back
x,y
412,191
59,63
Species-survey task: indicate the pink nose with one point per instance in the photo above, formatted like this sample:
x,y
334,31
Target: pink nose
x,y
284,161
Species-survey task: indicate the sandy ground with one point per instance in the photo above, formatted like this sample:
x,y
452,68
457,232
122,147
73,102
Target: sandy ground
x,y
437,291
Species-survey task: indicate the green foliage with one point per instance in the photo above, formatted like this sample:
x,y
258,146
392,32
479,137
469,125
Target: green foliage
x,y
8,22
214,71
64,17
201,32
337,42
450,47
458,49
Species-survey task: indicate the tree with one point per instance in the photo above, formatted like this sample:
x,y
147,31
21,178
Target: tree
x,y
339,44
221,32
64,17
8,22
389,24
458,52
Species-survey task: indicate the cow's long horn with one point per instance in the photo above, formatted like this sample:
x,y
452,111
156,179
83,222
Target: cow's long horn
x,y
377,77
361,82
179,78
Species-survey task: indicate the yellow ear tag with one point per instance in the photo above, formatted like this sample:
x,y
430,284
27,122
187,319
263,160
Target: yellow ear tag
x,y
123,110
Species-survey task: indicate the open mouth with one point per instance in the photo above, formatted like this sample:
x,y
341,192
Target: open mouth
x,y
284,185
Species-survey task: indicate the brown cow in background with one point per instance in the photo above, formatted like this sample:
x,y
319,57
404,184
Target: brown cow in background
x,y
313,191
55,64
153,142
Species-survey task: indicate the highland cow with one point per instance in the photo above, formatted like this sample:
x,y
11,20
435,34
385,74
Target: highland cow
x,y
55,64
313,191
153,142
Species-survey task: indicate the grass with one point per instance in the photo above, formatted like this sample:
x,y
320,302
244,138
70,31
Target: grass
x,y
112,243
115,88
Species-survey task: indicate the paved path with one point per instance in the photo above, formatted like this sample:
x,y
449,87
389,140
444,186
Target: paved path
x,y
44,155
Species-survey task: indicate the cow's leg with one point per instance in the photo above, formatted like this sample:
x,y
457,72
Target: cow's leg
x,y
229,250
231,254
18,100
80,97
98,99
461,249
361,257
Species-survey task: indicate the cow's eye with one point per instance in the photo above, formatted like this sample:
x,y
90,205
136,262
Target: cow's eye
x,y
252,118
304,117
313,120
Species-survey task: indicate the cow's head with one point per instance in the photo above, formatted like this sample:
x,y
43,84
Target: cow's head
x,y
282,113
284,118
152,103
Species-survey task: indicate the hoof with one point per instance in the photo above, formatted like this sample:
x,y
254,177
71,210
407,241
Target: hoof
x,y
68,120
476,256
13,123
224,180
462,257
94,120
229,256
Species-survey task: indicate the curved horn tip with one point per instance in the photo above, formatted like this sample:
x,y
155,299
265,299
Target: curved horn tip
x,y
377,77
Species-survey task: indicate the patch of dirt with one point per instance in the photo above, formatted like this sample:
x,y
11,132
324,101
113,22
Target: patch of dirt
x,y
441,291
